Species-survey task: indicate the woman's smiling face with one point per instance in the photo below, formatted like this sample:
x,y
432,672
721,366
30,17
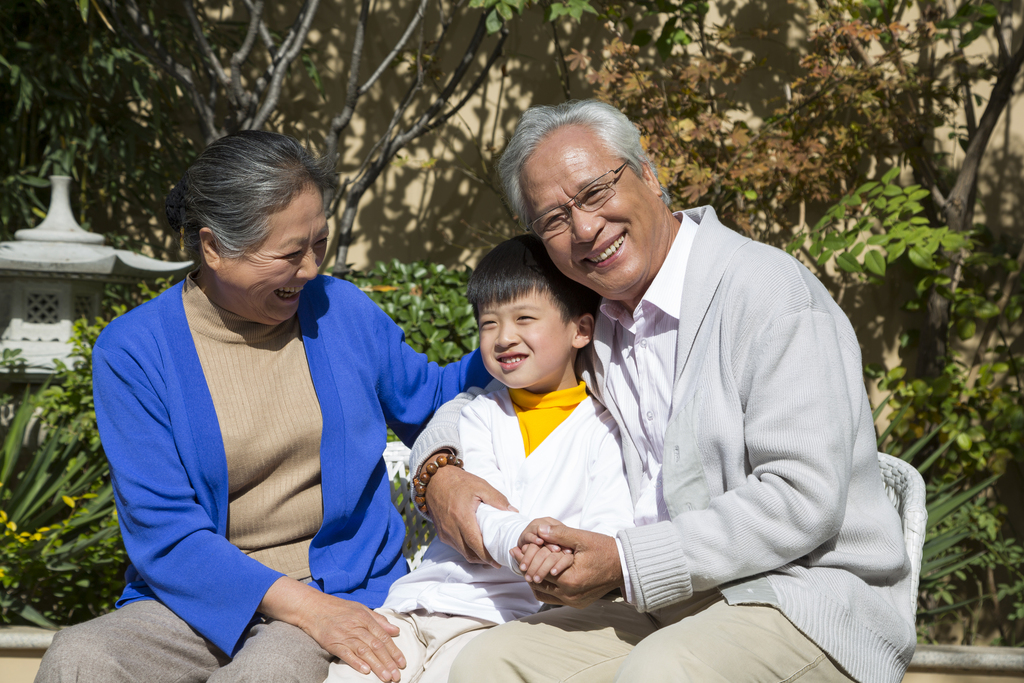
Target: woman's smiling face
x,y
264,285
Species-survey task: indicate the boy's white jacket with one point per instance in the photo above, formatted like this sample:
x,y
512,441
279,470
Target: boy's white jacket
x,y
576,476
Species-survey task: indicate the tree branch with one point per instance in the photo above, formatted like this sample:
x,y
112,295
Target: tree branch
x,y
243,98
958,210
290,49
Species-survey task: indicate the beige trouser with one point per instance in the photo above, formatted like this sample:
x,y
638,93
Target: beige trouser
x,y
145,641
429,642
703,640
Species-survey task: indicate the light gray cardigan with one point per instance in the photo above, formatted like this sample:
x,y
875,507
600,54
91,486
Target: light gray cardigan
x,y
770,467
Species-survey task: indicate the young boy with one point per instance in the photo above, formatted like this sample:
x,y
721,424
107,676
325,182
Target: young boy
x,y
540,440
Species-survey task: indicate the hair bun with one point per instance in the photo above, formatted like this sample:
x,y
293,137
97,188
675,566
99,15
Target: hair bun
x,y
174,205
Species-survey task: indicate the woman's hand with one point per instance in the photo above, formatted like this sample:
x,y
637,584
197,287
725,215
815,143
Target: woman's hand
x,y
348,630
453,496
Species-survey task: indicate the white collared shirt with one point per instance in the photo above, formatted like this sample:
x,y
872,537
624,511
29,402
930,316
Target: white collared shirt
x,y
642,369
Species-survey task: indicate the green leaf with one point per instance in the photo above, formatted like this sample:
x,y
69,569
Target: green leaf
x,y
642,37
313,73
32,181
921,258
875,262
750,195
965,328
848,263
493,22
890,174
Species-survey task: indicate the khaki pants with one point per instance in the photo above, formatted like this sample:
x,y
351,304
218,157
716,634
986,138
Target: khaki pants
x,y
430,642
145,641
704,640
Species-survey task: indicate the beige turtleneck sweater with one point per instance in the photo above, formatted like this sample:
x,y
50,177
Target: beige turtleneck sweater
x,y
270,422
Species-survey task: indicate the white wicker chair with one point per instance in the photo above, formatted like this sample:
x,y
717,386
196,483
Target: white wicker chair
x,y
418,531
906,491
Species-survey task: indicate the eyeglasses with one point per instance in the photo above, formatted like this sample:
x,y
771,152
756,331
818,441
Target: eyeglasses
x,y
591,198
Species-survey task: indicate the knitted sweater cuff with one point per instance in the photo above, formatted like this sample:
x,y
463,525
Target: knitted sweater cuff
x,y
657,566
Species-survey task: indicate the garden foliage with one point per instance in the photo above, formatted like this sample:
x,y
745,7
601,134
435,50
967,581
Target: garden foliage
x,y
61,559
79,101
61,556
428,301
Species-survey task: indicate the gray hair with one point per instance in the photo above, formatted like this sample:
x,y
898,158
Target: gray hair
x,y
608,124
234,186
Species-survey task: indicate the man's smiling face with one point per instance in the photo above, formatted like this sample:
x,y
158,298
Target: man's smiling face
x,y
616,250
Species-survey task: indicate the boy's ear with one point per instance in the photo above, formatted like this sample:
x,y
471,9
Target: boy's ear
x,y
584,331
209,249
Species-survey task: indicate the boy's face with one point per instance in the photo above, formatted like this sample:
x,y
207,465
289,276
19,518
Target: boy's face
x,y
526,344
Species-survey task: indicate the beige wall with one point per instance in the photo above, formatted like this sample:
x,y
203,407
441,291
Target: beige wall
x,y
439,201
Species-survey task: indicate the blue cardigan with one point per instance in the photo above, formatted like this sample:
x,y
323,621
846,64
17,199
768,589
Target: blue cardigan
x,y
160,433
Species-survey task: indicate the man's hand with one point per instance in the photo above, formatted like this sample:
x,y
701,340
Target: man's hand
x,y
348,630
452,499
595,569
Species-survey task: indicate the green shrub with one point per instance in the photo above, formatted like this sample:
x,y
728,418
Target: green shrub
x,y
428,302
61,558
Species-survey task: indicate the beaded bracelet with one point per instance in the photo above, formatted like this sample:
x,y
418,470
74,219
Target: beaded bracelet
x,y
429,470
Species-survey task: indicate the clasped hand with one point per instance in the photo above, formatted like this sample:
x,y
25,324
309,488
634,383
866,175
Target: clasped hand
x,y
537,559
569,566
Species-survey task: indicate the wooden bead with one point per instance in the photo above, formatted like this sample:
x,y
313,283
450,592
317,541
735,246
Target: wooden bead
x,y
420,489
424,478
431,468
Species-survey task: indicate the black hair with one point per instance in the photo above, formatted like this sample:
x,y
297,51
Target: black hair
x,y
521,266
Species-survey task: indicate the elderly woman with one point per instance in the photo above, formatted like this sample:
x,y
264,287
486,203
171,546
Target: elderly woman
x,y
243,413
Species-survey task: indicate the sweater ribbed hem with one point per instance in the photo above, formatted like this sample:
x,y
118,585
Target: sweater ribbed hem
x,y
858,647
665,578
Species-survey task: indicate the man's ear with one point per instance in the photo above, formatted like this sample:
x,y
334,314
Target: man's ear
x,y
584,331
209,249
650,179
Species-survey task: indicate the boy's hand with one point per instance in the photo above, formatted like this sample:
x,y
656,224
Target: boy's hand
x,y
538,562
531,534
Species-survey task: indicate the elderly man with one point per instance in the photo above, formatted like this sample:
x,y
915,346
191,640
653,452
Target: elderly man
x,y
765,548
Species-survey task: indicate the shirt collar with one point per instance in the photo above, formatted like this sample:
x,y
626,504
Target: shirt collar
x,y
666,291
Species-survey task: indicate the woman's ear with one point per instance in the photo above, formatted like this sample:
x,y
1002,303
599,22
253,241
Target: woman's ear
x,y
209,249
584,331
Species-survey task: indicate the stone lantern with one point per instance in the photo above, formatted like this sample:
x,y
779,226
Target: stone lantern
x,y
53,274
